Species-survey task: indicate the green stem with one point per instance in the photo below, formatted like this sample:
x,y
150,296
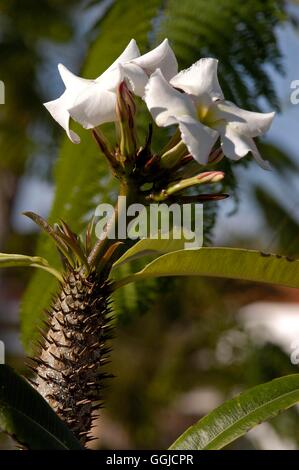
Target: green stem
x,y
171,158
172,142
120,211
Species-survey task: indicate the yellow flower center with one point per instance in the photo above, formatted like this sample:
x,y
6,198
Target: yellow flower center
x,y
206,115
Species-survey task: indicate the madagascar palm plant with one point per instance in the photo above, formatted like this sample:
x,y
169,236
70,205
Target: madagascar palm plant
x,y
143,133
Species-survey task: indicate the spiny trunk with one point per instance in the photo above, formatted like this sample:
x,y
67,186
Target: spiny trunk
x,y
69,368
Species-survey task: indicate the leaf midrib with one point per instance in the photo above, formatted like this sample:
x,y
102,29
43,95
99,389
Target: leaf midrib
x,y
16,410
247,415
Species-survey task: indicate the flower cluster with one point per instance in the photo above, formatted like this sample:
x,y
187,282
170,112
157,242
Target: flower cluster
x,y
191,99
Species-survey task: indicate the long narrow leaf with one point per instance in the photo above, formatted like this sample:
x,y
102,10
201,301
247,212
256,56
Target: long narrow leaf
x,y
26,416
232,263
44,225
147,246
8,260
237,416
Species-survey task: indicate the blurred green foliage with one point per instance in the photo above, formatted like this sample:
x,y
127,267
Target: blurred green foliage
x,y
188,343
25,25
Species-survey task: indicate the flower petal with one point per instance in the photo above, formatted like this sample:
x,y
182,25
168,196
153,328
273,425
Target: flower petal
x,y
71,80
164,102
94,106
200,80
257,156
136,77
236,146
198,138
243,122
111,78
58,110
131,52
162,57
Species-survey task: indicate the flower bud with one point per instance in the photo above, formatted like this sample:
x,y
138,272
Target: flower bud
x,y
173,156
216,156
207,177
210,177
202,178
125,110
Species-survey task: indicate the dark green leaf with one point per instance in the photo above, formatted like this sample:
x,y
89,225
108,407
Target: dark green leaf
x,y
26,416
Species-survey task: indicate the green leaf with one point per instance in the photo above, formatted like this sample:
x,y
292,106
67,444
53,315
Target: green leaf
x,y
27,417
147,247
43,224
230,263
8,260
237,416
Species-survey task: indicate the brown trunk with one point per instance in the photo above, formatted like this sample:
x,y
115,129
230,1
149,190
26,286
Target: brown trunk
x,y
69,368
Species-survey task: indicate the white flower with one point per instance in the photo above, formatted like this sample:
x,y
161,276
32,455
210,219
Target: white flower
x,y
194,100
93,102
